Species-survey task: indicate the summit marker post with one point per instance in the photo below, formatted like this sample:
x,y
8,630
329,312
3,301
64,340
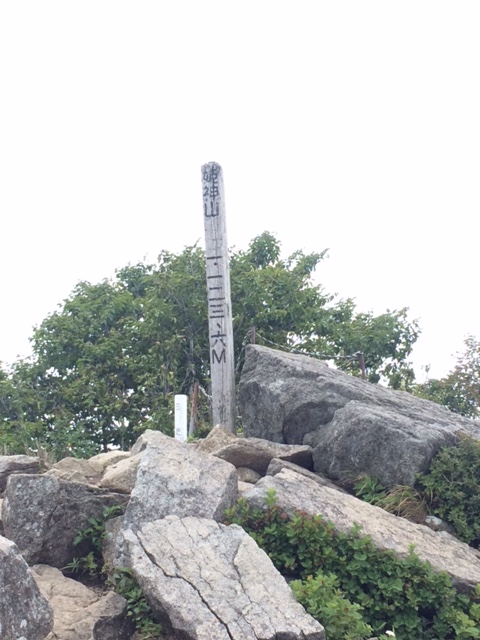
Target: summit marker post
x,y
222,361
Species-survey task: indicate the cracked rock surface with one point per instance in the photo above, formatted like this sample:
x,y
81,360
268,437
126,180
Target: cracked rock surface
x,y
207,581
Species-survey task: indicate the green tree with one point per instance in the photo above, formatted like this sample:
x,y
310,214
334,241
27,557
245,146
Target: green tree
x,y
107,363
459,391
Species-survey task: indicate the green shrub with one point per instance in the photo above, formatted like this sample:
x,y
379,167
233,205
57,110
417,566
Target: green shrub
x,y
123,582
401,594
91,541
452,488
323,599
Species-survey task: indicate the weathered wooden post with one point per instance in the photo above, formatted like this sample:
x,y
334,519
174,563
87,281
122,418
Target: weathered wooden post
x,y
222,361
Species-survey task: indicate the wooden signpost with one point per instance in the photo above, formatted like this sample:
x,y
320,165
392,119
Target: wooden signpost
x,y
222,363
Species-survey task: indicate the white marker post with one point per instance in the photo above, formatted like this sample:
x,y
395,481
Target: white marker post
x,y
222,362
181,418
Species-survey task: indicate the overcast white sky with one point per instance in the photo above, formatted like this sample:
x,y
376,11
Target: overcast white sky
x,y
342,124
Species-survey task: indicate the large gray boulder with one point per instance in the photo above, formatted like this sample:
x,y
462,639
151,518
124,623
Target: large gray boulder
x,y
43,515
354,427
79,612
207,581
10,465
445,553
24,611
378,441
175,479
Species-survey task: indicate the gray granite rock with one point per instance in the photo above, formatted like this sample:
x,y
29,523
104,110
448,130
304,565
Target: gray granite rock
x,y
354,426
377,441
10,465
207,581
277,465
43,515
24,612
174,479
256,453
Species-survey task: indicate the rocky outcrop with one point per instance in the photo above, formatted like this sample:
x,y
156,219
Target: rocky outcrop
x,y
355,427
296,492
205,580
211,582
43,515
174,479
10,465
24,612
80,613
277,465
253,453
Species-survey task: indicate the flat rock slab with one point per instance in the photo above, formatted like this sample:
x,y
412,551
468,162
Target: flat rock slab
x,y
16,464
43,515
175,479
296,492
254,453
211,582
24,611
80,613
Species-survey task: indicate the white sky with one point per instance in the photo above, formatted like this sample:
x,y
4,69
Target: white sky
x,y
342,124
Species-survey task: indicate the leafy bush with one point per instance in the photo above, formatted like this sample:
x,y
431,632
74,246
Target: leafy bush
x,y
401,594
138,609
452,488
323,599
122,579
91,538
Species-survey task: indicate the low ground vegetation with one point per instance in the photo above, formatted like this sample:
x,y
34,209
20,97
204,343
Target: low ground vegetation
x,y
450,489
90,569
354,589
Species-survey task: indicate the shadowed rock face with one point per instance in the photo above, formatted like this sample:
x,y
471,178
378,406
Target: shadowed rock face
x,y
43,515
212,582
355,427
253,453
24,611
